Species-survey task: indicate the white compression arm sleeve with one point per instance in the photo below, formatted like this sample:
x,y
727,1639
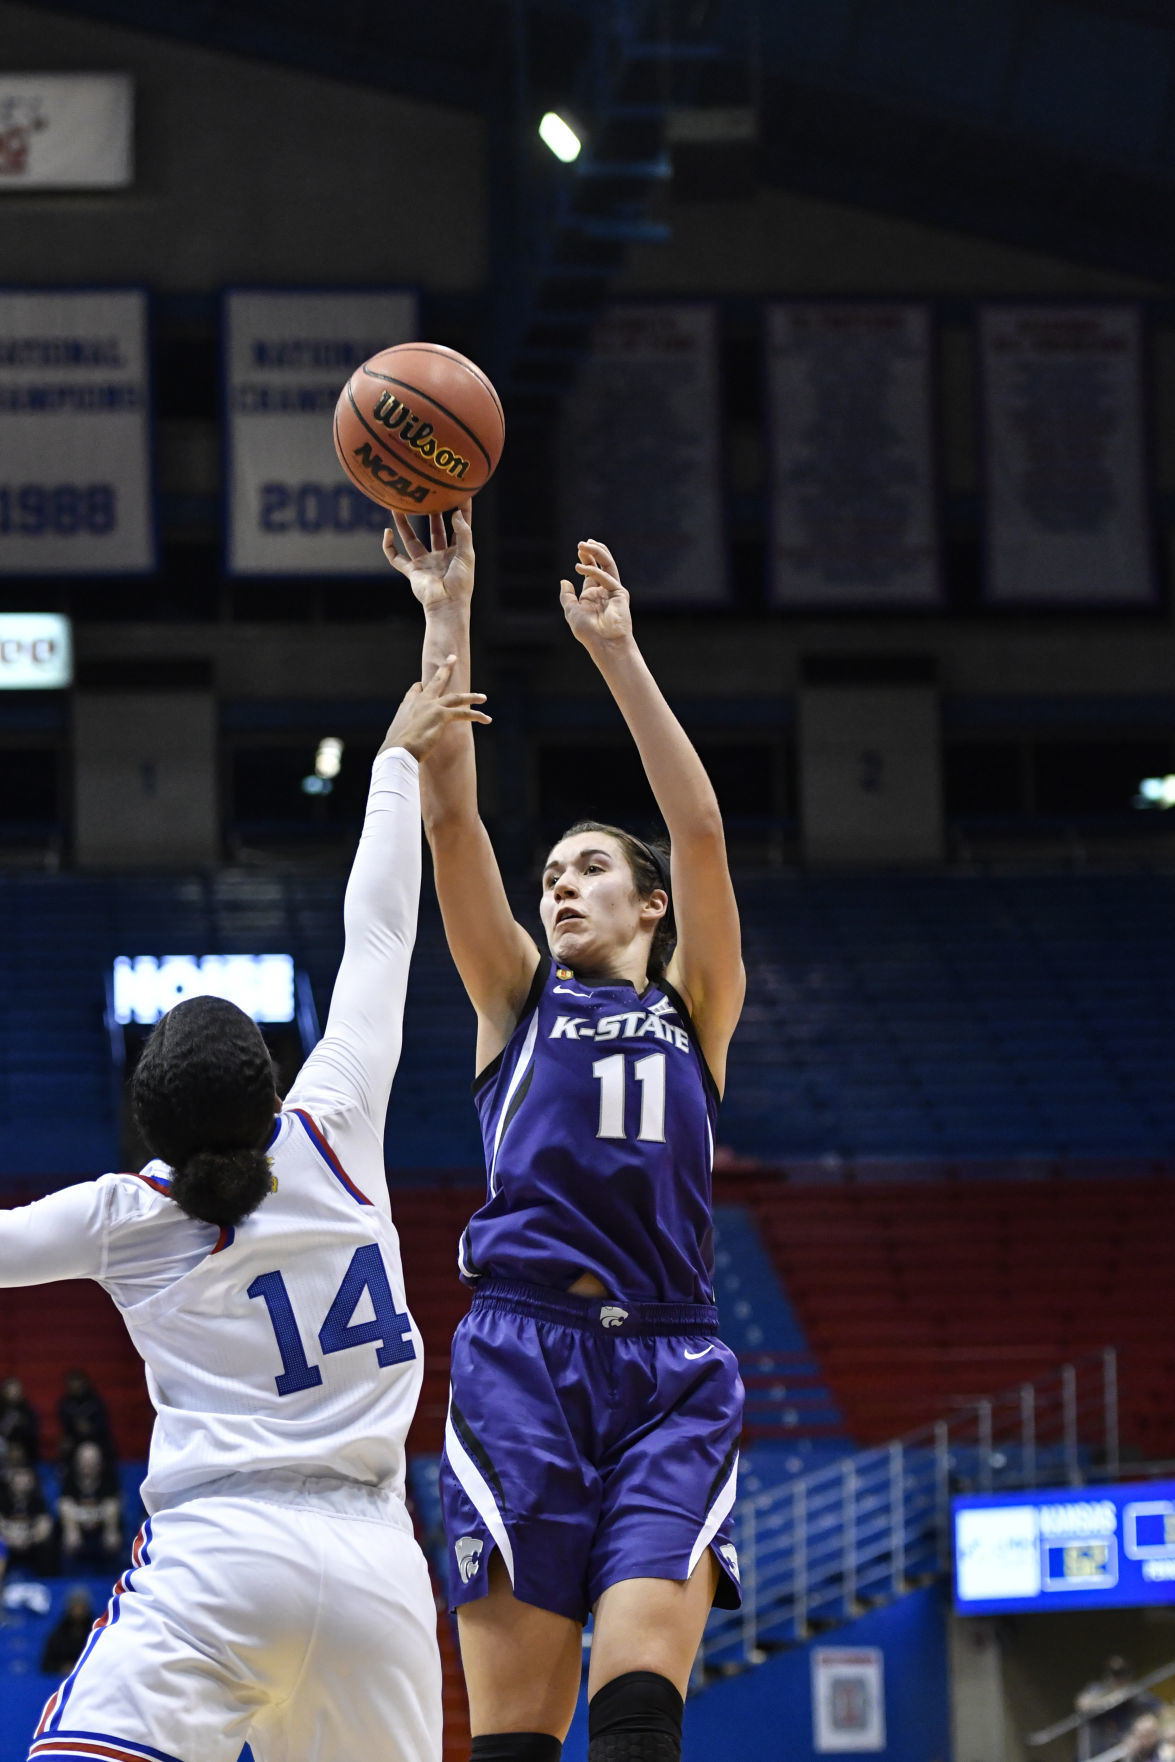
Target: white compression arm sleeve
x,y
355,1061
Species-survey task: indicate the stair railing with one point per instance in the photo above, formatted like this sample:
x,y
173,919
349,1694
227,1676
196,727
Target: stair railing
x,y
820,1549
1080,1722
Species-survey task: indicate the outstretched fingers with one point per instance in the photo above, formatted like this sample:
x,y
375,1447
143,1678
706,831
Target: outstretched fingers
x,y
462,522
441,678
461,706
592,551
402,529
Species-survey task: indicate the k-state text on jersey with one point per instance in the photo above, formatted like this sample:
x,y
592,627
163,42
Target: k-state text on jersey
x,y
628,1025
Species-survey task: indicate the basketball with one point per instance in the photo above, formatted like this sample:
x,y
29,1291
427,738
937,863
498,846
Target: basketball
x,y
419,428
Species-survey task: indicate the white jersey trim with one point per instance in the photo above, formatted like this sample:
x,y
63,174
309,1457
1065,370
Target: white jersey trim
x,y
520,1071
477,1489
715,1517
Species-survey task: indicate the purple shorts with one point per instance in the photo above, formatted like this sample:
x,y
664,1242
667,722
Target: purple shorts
x,y
589,1441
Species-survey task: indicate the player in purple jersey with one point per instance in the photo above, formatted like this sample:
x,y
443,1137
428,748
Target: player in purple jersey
x,y
591,1447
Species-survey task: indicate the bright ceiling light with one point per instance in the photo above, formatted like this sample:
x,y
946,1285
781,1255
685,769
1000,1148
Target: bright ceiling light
x,y
1157,792
560,137
328,760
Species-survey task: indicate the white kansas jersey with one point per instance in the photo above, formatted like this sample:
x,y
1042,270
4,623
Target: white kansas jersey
x,y
285,1343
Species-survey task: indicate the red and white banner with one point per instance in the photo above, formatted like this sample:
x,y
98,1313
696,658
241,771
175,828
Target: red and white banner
x,y
640,456
852,493
1065,457
66,131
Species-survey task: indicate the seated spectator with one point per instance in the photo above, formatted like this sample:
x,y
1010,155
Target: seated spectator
x,y
64,1645
90,1509
82,1416
26,1526
19,1423
1116,1709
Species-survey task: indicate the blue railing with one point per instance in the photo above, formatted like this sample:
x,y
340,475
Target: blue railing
x,y
821,1548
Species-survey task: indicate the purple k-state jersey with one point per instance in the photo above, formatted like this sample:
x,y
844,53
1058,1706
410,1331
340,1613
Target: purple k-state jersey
x,y
598,1121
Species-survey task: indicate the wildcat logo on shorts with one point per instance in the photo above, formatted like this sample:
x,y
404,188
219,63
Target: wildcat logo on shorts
x,y
468,1551
729,1554
612,1316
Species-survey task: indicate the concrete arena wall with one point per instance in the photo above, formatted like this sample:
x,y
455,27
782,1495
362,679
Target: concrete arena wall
x,y
249,173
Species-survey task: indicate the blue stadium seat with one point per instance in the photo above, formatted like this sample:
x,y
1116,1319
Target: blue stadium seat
x,y
886,1016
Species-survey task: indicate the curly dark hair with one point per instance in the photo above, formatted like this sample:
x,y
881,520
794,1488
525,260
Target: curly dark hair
x,y
203,1095
648,861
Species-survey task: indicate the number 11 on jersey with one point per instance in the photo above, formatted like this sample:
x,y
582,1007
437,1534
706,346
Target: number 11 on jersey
x,y
611,1074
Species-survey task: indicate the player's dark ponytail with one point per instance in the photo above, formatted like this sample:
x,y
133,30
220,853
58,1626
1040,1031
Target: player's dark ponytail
x,y
649,862
203,1095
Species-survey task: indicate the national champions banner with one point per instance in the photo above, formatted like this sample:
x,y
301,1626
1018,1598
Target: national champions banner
x,y
640,454
851,474
75,458
291,510
1065,458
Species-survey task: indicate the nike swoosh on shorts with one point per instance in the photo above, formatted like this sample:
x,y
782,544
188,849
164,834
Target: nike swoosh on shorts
x,y
700,1354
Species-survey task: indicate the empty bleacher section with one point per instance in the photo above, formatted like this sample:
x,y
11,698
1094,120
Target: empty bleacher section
x,y
915,1298
956,1016
887,1017
792,1423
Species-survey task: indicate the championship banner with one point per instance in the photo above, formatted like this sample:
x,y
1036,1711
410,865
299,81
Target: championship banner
x,y
71,131
75,457
851,473
1065,466
640,459
291,510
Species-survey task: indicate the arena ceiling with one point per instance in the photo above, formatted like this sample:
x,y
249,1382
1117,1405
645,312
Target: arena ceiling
x,y
1049,123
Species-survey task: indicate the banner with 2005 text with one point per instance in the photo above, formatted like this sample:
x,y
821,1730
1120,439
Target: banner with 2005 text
x,y
75,456
851,468
1065,456
640,454
288,354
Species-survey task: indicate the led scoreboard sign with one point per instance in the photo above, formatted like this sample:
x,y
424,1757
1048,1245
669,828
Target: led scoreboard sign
x,y
1073,1548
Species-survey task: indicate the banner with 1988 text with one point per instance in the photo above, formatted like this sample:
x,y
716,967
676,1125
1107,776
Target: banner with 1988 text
x,y
852,459
288,355
75,456
641,453
1065,456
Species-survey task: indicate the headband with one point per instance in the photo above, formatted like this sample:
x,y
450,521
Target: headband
x,y
658,862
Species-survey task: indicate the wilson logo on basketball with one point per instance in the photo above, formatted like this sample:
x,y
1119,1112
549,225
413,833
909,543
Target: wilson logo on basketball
x,y
418,434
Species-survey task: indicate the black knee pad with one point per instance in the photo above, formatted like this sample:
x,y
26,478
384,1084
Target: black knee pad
x,y
516,1746
635,1718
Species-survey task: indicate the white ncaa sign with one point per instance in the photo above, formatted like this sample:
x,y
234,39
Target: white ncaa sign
x,y
288,356
66,131
75,460
36,651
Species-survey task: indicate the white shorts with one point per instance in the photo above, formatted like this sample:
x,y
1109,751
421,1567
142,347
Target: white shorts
x,y
298,1619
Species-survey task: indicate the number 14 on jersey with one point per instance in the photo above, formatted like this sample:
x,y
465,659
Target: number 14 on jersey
x,y
390,1328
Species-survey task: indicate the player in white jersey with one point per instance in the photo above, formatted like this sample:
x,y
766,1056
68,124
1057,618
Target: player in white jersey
x,y
276,1594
